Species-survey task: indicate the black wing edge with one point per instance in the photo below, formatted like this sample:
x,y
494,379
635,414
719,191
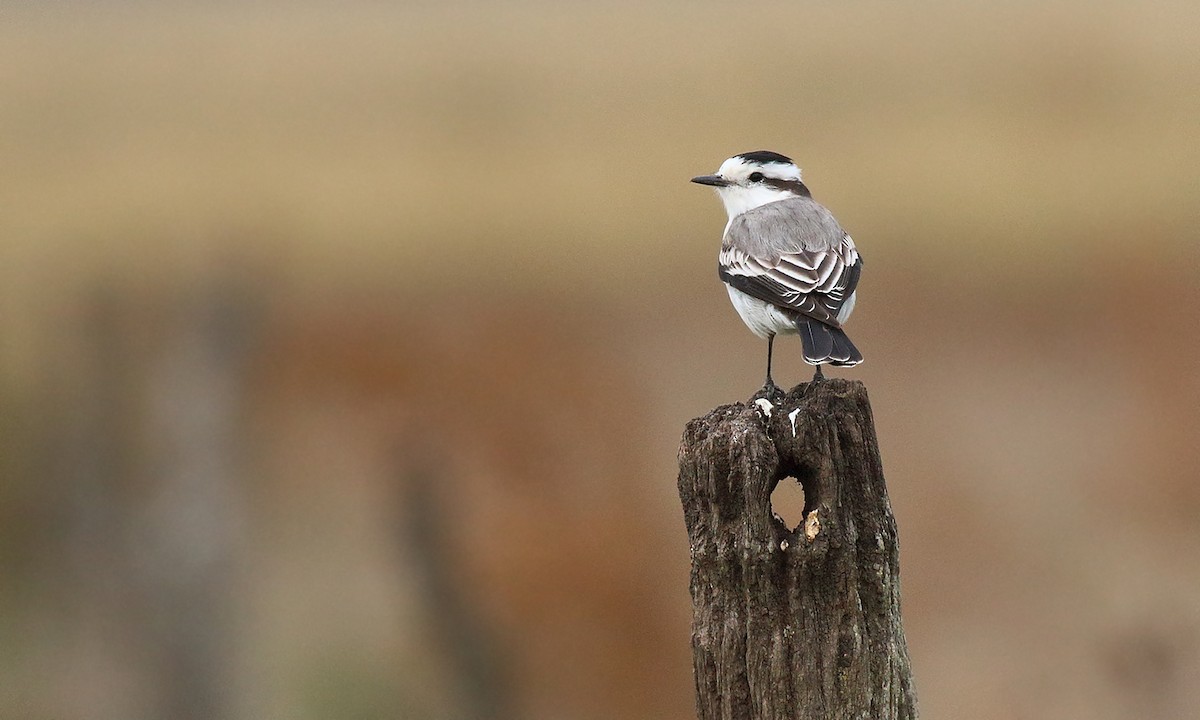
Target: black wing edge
x,y
768,290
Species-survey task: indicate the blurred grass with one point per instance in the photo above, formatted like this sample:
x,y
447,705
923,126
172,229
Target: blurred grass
x,y
483,150
506,186
456,140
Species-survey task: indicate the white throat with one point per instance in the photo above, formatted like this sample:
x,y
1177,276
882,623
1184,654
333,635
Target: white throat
x,y
739,199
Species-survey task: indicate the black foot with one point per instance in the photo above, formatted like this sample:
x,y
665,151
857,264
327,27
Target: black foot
x,y
769,390
818,376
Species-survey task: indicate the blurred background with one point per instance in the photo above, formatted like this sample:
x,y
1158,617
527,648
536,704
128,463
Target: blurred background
x,y
345,348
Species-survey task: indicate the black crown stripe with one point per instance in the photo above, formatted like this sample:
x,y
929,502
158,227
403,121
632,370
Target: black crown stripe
x,y
765,156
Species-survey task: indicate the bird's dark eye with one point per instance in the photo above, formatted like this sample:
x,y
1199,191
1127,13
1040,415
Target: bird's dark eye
x,y
756,177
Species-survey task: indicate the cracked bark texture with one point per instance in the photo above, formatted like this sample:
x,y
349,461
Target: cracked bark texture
x,y
803,622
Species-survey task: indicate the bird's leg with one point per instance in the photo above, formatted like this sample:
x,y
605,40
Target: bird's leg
x,y
769,387
818,376
770,345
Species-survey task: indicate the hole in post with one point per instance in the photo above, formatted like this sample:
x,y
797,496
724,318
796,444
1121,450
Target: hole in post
x,y
787,501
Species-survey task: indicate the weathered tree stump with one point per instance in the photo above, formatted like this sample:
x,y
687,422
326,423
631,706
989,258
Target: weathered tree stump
x,y
794,623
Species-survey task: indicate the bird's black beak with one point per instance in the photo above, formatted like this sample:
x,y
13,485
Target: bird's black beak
x,y
714,180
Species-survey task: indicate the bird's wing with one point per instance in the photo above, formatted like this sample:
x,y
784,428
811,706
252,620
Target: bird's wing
x,y
809,268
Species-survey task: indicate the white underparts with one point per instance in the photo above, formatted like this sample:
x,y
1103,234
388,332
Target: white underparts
x,y
763,318
847,308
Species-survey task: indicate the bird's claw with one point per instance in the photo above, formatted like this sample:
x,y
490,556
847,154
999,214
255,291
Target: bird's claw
x,y
769,391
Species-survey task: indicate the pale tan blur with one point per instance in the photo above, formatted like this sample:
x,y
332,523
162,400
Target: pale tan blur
x,y
346,349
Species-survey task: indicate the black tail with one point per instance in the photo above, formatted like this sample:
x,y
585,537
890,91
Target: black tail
x,y
825,345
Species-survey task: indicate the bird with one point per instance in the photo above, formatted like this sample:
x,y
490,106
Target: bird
x,y
788,265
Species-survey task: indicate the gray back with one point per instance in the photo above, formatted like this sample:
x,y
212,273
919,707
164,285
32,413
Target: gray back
x,y
786,226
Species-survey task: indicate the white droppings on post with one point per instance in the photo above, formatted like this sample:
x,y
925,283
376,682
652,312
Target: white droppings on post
x,y
764,406
792,416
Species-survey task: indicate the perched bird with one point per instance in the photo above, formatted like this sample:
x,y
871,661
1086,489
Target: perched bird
x,y
789,266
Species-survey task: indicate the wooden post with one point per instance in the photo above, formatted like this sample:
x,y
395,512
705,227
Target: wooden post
x,y
794,623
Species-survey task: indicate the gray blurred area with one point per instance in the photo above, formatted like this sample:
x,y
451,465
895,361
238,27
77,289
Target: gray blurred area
x,y
345,348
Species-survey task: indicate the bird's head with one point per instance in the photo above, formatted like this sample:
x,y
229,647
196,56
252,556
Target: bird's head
x,y
751,179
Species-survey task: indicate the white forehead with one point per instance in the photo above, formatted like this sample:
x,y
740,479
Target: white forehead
x,y
737,168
